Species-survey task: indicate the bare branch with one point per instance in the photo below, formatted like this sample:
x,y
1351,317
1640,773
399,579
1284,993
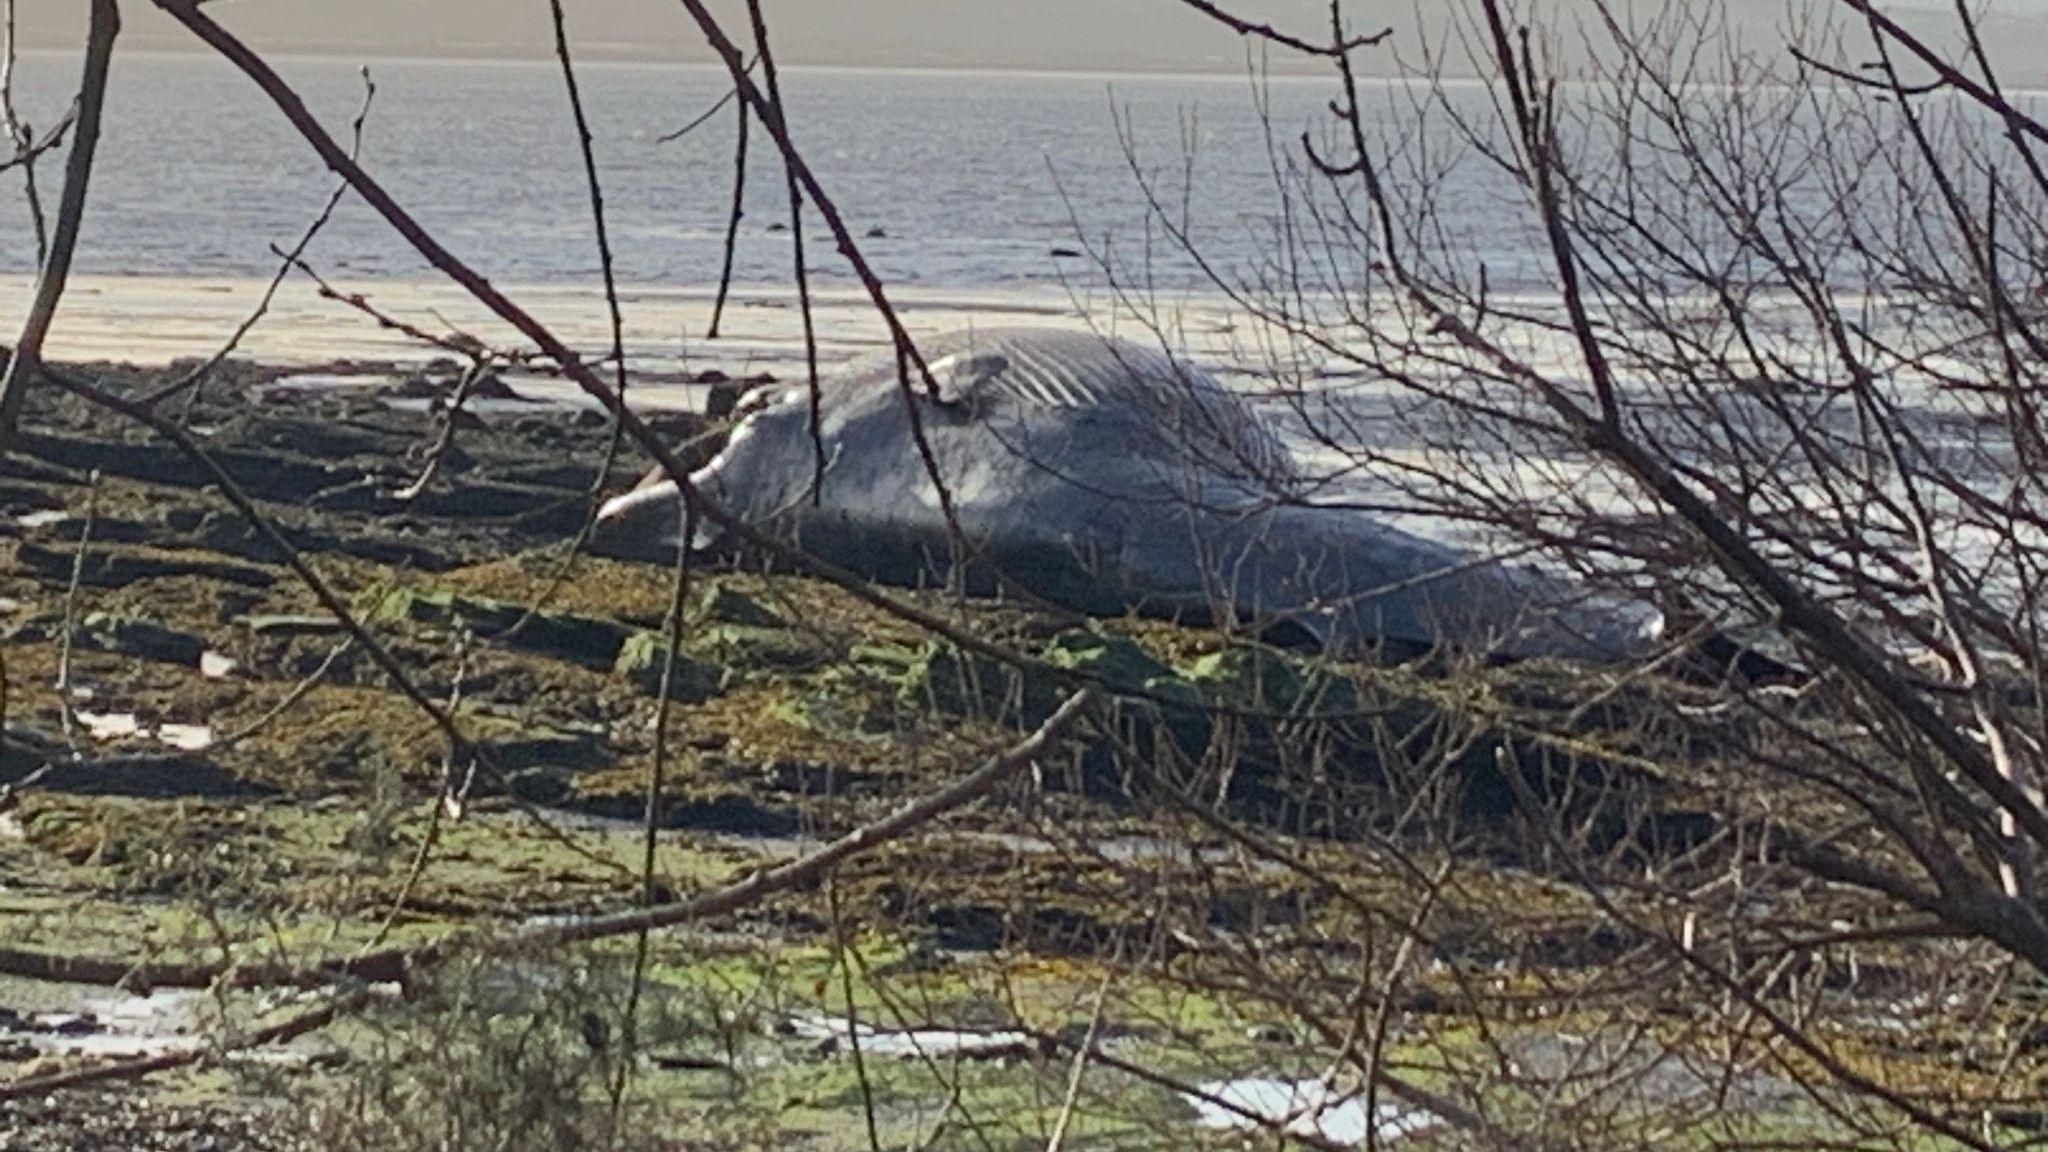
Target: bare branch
x,y
24,367
1267,32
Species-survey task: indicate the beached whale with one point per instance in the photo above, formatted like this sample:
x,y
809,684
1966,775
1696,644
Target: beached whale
x,y
1105,477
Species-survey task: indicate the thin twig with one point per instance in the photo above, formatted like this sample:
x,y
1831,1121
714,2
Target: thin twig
x,y
67,716
451,423
1244,27
705,116
841,961
1056,1142
299,692
27,154
801,270
122,1071
18,132
732,224
2017,120
198,376
650,844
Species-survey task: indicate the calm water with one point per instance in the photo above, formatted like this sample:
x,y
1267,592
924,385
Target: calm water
x,y
963,172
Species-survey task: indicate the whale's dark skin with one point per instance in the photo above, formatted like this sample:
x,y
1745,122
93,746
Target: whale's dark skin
x,y
1104,477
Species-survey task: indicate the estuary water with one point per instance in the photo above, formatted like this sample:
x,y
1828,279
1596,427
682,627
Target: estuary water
x,y
966,180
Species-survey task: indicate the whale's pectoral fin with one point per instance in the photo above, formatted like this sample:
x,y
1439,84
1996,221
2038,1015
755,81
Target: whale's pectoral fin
x,y
964,376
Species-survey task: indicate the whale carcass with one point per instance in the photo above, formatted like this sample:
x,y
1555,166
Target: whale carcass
x,y
1106,477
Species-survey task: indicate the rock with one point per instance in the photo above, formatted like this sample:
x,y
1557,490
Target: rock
x,y
549,750
102,569
711,376
153,775
939,677
491,386
1061,252
590,418
748,650
581,640
644,655
778,227
674,427
723,603
878,233
421,388
737,814
144,639
287,627
1267,680
1114,660
723,401
68,1024
464,420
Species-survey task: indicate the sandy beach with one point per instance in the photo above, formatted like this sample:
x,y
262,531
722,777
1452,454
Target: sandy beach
x,y
155,320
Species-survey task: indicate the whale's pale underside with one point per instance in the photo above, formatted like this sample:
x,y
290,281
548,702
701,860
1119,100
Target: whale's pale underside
x,y
1106,477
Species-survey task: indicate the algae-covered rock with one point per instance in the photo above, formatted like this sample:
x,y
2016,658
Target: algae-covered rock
x,y
723,603
643,657
1243,676
1114,661
940,677
143,639
750,650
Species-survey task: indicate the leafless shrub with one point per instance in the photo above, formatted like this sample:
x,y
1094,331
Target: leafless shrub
x,y
1774,369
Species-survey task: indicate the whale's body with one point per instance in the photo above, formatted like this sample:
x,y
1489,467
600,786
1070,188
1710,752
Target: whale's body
x,y
1105,477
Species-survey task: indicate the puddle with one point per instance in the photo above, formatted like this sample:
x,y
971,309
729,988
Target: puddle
x,y
913,1043
1642,1072
186,737
107,726
326,381
76,1020
113,1026
111,725
1305,1108
475,406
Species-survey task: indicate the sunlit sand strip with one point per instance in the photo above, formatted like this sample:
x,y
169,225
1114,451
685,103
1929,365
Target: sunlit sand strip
x,y
156,320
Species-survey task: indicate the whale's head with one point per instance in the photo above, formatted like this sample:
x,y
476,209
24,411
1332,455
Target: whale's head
x,y
650,521
770,466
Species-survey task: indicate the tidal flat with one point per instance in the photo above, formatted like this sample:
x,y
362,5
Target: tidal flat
x,y
1139,943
